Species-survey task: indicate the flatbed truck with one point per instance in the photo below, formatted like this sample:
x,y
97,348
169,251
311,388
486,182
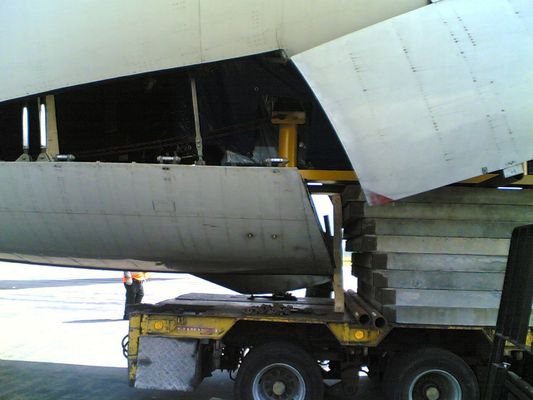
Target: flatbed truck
x,y
283,347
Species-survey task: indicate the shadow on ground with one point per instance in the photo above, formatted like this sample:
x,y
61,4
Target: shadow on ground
x,y
23,380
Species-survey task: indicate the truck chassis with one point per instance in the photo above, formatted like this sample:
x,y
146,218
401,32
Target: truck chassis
x,y
285,348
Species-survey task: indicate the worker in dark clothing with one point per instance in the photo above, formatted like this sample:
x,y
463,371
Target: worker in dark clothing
x,y
133,282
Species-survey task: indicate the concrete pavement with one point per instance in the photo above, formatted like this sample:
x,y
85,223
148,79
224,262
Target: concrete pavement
x,y
25,380
61,331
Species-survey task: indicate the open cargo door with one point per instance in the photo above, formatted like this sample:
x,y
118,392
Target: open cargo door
x,y
431,97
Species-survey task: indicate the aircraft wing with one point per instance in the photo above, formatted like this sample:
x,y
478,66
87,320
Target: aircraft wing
x,y
431,97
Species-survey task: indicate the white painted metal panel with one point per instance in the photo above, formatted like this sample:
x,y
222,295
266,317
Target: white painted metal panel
x,y
47,45
431,97
200,220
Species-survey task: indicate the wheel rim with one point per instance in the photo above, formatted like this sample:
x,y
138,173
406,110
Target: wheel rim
x,y
435,384
278,382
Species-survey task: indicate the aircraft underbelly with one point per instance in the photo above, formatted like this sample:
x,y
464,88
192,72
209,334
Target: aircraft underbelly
x,y
431,97
49,45
201,220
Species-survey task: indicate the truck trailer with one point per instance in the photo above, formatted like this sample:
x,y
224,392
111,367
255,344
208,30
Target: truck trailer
x,y
283,347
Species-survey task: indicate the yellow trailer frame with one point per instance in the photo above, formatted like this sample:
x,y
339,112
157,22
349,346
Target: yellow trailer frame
x,y
217,321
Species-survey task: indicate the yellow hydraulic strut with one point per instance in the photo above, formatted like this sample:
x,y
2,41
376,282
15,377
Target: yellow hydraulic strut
x,y
288,134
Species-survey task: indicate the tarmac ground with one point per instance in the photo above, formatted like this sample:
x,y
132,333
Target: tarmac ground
x,y
61,331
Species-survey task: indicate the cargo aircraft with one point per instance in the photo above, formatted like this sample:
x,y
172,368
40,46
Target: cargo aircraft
x,y
182,135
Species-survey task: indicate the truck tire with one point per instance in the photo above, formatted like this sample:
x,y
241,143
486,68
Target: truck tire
x,y
278,371
430,374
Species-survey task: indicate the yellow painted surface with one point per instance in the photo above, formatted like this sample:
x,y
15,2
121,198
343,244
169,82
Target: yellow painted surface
x,y
527,180
134,333
320,175
288,117
187,326
133,346
51,122
352,335
197,327
288,143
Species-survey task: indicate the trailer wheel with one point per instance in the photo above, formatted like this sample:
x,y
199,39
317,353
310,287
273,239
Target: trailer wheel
x,y
430,374
279,371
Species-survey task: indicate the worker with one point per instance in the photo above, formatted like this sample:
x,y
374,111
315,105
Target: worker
x,y
133,282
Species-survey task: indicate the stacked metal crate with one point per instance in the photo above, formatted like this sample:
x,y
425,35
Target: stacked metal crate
x,y
435,258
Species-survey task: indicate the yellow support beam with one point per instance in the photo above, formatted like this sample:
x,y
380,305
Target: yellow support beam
x,y
288,143
349,334
527,180
288,122
187,326
51,122
338,285
320,175
328,175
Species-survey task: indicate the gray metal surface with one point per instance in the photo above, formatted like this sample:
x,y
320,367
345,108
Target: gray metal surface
x,y
451,270
440,280
432,227
191,219
168,364
439,298
437,95
126,37
465,316
430,262
264,283
451,211
304,308
455,195
436,245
